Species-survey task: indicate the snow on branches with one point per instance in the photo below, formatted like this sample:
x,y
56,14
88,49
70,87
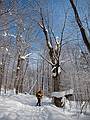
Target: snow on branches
x,y
87,35
41,25
25,56
57,43
45,30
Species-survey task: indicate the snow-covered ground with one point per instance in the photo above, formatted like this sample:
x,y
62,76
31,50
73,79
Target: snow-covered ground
x,y
23,107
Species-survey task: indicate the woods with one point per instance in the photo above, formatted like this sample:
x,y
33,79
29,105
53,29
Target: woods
x,y
45,45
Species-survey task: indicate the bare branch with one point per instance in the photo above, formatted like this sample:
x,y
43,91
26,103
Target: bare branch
x,y
82,30
47,60
42,25
66,14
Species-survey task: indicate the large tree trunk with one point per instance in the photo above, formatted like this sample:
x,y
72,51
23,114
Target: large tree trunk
x,y
82,30
54,54
56,77
56,83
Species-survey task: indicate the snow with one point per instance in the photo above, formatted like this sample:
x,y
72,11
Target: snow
x,y
4,34
54,74
8,34
61,94
58,40
12,35
59,70
49,44
41,25
53,69
6,49
18,68
23,107
0,63
24,57
87,35
10,12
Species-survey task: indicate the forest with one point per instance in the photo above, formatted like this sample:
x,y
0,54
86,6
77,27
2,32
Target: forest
x,y
45,44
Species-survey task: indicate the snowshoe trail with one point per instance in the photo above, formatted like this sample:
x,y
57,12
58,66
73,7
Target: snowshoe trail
x,y
39,113
23,107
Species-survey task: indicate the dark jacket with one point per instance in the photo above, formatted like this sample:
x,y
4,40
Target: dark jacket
x,y
39,94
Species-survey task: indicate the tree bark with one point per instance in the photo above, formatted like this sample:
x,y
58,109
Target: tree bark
x,y
82,30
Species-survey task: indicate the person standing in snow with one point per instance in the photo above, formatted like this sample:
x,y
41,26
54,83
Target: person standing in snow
x,y
39,95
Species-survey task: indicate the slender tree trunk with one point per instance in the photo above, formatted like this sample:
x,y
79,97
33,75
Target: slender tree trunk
x,y
43,75
37,85
1,72
22,79
16,82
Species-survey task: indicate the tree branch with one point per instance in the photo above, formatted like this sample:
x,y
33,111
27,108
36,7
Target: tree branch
x,y
42,25
82,30
47,60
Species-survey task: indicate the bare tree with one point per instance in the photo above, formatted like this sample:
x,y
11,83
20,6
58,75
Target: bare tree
x,y
54,53
82,29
